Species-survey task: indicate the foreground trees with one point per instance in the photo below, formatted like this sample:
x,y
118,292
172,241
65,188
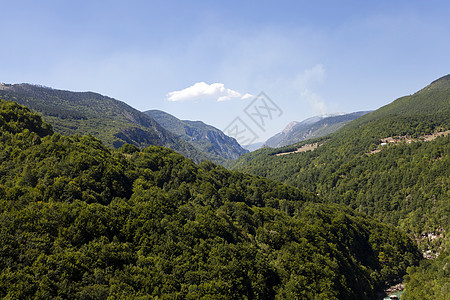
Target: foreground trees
x,y
78,220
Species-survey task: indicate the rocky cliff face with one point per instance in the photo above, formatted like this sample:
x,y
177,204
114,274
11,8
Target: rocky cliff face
x,y
202,136
211,140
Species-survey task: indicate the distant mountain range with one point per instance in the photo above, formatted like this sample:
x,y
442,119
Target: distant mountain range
x,y
311,128
116,123
203,137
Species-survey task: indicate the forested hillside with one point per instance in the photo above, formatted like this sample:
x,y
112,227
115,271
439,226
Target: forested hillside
x,y
393,164
82,221
113,122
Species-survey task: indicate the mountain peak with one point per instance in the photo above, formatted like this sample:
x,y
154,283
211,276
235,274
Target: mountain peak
x,y
289,126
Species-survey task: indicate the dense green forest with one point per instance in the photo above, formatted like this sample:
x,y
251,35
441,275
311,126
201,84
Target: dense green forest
x,y
430,280
404,183
82,221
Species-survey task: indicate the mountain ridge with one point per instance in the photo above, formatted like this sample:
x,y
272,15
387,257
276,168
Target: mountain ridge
x,y
111,120
313,127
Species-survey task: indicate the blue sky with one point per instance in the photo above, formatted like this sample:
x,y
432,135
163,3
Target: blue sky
x,y
309,57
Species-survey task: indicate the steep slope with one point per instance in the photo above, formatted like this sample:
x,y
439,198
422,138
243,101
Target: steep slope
x,y
311,128
110,120
204,137
79,220
353,159
383,165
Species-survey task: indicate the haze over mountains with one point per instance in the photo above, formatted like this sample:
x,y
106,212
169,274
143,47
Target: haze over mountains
x,y
86,112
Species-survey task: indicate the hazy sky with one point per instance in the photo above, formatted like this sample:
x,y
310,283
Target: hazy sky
x,y
206,60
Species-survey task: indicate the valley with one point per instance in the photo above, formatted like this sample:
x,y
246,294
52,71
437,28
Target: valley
x,y
225,150
319,218
78,218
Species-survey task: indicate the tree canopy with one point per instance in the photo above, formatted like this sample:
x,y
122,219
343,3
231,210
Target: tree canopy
x,y
79,220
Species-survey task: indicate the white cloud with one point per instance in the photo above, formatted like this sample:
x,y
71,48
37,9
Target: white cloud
x,y
223,98
204,91
247,96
